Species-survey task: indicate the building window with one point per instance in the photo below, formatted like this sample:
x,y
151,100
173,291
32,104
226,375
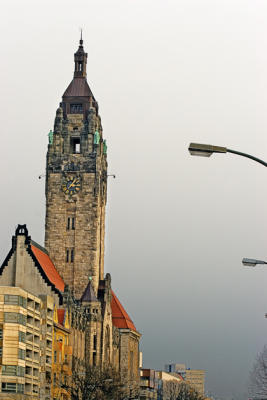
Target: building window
x,y
22,319
22,337
75,145
11,299
69,255
21,354
1,333
95,342
10,370
70,223
9,387
94,359
15,318
76,108
13,370
55,356
131,364
15,300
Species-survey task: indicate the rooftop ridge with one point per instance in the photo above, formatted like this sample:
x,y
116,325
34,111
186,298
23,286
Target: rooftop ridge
x,y
35,244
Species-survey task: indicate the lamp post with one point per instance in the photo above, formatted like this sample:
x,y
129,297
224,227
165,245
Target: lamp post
x,y
206,150
251,262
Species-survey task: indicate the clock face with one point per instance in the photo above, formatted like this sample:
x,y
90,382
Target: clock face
x,y
71,186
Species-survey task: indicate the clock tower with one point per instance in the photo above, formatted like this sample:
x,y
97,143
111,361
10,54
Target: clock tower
x,y
76,185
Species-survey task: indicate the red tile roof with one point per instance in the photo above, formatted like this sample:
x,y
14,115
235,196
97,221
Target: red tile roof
x,y
60,316
48,268
120,318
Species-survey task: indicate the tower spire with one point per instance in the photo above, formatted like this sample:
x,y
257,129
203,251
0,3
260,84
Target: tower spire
x,y
80,59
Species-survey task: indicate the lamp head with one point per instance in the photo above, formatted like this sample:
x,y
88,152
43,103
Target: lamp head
x,y
251,262
205,150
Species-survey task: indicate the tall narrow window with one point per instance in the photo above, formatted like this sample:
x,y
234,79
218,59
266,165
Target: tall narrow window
x,y
131,364
95,342
73,223
94,359
72,255
68,223
67,255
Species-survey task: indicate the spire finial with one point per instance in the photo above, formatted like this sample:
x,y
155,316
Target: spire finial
x,y
81,40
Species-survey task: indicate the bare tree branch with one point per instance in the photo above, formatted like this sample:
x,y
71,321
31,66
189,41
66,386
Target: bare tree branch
x,y
258,376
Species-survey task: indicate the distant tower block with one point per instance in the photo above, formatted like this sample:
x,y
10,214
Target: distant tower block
x,y
76,185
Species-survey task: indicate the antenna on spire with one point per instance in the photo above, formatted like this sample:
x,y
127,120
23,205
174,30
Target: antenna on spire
x,y
81,40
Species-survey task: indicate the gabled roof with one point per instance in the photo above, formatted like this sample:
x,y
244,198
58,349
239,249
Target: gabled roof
x,y
120,318
48,267
78,88
40,258
89,294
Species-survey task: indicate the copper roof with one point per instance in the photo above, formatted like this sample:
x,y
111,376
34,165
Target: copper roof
x,y
88,294
78,88
120,318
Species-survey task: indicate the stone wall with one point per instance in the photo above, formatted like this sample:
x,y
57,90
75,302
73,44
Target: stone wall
x,y
129,361
84,243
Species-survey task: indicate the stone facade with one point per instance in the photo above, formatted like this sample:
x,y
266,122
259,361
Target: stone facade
x,y
129,361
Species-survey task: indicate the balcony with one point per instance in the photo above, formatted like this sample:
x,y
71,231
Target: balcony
x,y
28,371
30,320
35,389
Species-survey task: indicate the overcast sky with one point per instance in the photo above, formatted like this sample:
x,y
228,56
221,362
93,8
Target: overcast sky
x,y
165,73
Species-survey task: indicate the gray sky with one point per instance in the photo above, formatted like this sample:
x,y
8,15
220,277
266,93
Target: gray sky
x,y
165,73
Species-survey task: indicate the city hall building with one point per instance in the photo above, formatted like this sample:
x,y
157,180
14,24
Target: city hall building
x,y
57,308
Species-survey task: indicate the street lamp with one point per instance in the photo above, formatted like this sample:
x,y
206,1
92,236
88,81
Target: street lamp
x,y
206,150
251,262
